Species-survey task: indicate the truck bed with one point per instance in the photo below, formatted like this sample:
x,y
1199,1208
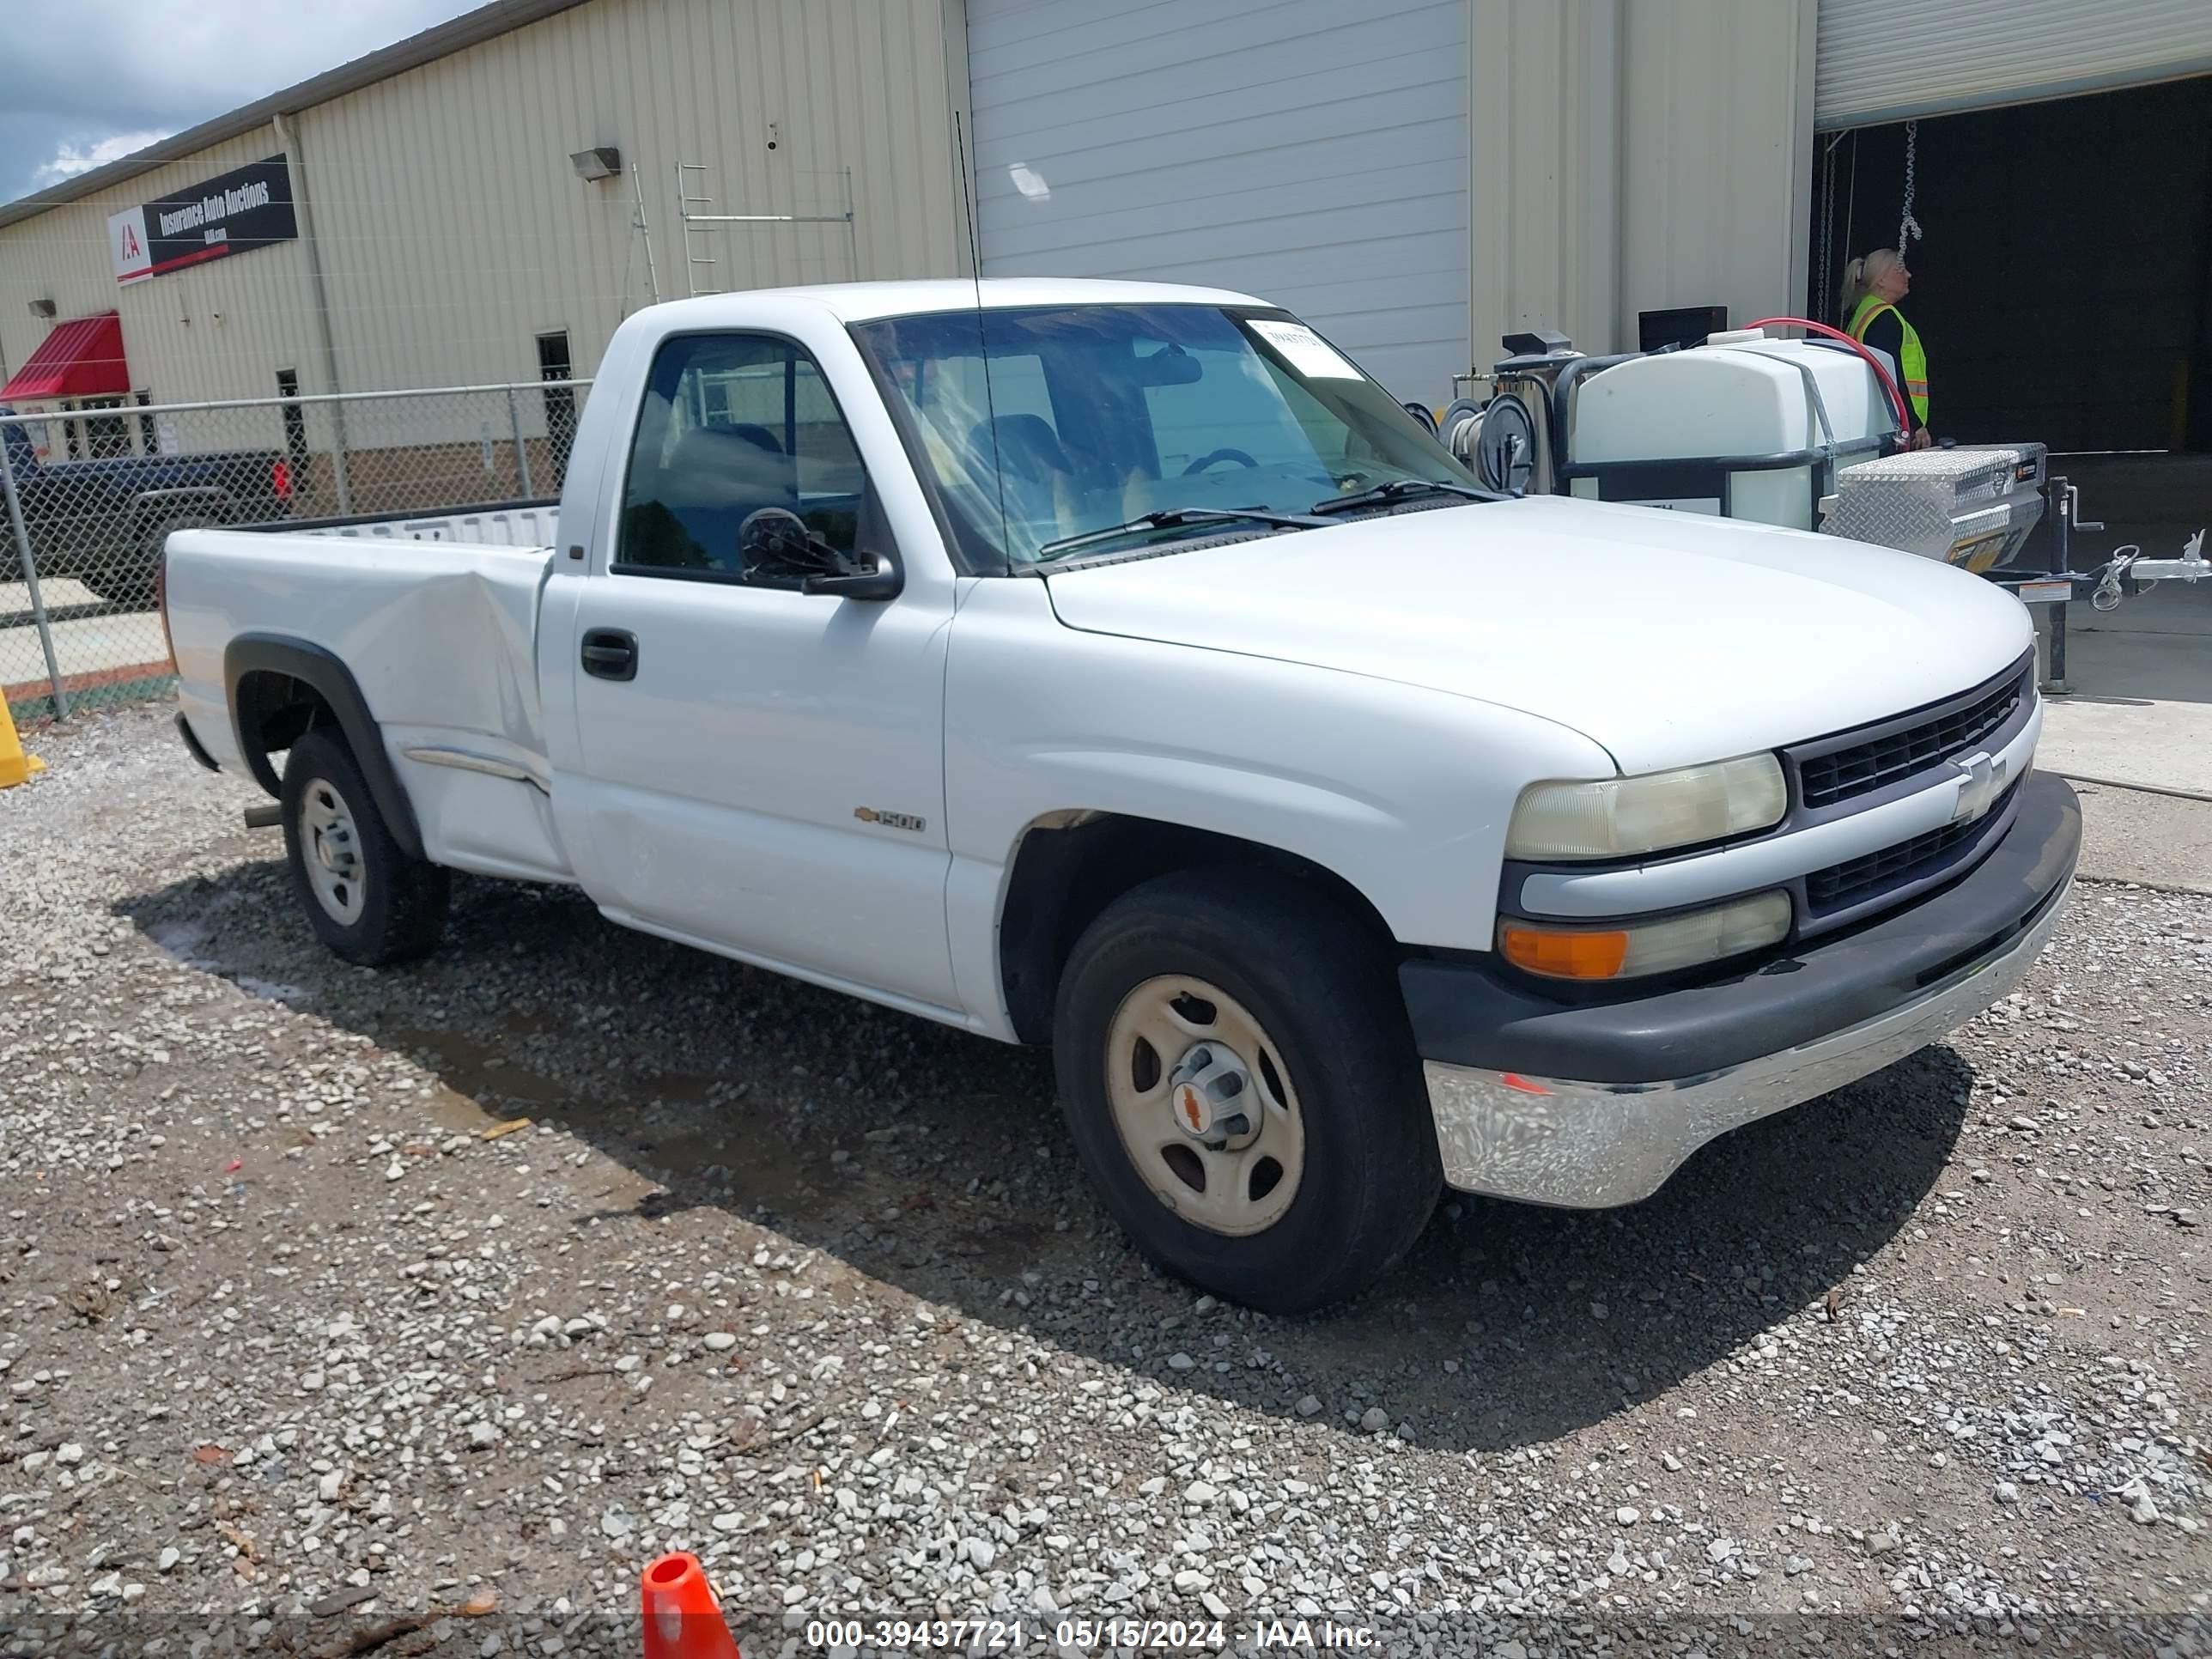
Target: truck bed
x,y
437,621
534,525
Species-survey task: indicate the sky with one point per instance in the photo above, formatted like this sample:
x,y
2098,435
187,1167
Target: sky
x,y
86,81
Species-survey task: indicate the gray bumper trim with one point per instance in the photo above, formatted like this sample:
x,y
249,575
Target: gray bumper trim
x,y
1591,1145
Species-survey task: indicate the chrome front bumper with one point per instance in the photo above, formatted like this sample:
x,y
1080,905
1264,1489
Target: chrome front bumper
x,y
1591,1145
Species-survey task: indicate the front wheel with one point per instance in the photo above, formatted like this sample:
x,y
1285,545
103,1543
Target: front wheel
x,y
1240,1083
367,900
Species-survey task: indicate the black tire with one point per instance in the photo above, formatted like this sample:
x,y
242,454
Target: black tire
x,y
129,585
1323,992
394,909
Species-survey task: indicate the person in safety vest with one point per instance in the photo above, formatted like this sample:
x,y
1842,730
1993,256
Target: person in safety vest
x,y
1872,288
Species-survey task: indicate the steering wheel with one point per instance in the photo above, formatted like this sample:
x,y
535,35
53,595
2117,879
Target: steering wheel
x,y
1205,461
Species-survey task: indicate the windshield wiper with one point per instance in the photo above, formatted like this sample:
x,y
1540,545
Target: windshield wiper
x,y
1173,517
1402,489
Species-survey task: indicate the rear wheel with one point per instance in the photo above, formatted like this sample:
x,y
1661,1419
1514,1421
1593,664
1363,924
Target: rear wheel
x,y
1240,1083
127,578
367,900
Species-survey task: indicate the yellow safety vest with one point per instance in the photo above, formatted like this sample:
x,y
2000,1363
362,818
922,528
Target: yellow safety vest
x,y
1914,368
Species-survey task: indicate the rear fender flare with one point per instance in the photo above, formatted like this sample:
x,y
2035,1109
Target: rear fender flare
x,y
148,507
315,666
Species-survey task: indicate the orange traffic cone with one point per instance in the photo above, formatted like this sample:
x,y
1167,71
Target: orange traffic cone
x,y
683,1620
14,764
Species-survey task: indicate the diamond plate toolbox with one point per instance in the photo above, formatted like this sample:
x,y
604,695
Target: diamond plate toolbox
x,y
1973,507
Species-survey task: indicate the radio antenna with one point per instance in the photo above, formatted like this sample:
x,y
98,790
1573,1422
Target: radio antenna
x,y
969,191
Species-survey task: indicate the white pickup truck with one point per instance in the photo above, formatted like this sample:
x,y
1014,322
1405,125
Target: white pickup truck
x,y
1114,665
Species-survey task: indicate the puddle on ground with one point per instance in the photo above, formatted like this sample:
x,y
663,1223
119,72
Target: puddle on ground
x,y
478,1085
470,1073
763,1168
688,1087
184,940
477,1068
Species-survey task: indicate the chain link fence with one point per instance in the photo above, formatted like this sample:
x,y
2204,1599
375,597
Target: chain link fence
x,y
91,495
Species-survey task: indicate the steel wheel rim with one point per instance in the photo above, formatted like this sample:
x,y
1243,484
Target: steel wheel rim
x,y
1247,1183
330,851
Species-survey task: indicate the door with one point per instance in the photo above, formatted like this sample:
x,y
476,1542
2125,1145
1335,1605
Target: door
x,y
554,365
1889,60
107,434
1308,152
295,482
762,768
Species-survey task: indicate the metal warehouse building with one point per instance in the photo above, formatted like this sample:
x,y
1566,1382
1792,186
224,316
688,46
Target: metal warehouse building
x,y
487,200
437,230
484,202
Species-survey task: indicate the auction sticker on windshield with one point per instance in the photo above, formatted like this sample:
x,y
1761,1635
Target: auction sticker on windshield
x,y
1307,352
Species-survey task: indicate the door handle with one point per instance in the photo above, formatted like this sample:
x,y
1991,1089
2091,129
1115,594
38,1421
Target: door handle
x,y
610,653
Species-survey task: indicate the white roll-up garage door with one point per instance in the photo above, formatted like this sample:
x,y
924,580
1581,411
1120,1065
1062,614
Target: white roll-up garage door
x,y
1311,153
1886,60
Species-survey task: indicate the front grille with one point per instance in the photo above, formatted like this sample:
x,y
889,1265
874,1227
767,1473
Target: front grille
x,y
1840,887
1824,779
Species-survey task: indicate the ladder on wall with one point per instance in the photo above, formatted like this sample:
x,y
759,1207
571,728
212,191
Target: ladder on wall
x,y
695,211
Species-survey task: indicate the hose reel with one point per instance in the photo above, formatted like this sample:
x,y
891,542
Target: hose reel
x,y
1497,439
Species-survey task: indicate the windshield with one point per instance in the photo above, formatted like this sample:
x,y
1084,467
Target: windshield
x,y
1097,415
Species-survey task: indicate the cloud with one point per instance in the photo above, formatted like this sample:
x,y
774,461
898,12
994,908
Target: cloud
x,y
70,160
163,65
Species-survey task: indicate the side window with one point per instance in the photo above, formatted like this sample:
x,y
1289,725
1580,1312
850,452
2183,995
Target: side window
x,y
733,423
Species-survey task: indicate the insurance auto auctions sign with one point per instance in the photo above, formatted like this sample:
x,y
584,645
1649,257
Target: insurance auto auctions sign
x,y
248,208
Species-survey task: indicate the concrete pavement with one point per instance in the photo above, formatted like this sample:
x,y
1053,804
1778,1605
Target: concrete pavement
x,y
2129,835
2140,715
2140,709
96,646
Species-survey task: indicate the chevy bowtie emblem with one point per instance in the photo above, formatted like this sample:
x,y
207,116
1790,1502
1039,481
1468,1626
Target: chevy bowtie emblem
x,y
1982,780
890,820
1192,1105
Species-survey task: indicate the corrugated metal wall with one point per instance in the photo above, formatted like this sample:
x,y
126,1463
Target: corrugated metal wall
x,y
1716,146
1636,157
1315,153
453,229
464,164
1624,157
1545,75
1884,60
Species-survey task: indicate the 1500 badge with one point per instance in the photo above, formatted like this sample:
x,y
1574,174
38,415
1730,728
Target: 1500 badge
x,y
891,820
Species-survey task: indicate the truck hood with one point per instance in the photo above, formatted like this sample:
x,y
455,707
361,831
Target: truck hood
x,y
1668,638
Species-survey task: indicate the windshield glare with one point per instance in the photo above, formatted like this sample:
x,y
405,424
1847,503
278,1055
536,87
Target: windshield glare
x,y
1040,425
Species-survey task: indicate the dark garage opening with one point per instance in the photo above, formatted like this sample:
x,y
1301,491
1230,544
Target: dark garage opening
x,y
2062,287
2064,282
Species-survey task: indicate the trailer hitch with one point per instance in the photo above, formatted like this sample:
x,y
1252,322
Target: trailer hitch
x,y
2122,576
2127,572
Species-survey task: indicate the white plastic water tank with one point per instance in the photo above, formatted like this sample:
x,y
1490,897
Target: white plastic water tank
x,y
1740,398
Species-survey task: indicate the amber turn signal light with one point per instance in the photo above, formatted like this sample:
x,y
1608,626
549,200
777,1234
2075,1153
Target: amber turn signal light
x,y
1690,939
1565,953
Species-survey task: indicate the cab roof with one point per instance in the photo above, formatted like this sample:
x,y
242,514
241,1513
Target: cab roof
x,y
860,302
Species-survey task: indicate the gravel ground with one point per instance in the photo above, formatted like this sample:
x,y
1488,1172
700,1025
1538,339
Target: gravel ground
x,y
304,1332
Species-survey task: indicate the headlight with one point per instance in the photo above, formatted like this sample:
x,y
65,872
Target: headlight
x,y
1619,818
1625,951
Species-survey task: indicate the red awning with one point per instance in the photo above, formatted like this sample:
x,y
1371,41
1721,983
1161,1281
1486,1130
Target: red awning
x,y
82,358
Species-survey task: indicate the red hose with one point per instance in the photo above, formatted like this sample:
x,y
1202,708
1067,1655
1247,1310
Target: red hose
x,y
1882,370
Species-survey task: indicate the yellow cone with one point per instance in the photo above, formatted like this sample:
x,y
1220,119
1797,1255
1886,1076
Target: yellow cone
x,y
15,766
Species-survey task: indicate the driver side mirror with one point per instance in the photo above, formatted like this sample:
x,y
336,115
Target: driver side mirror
x,y
774,543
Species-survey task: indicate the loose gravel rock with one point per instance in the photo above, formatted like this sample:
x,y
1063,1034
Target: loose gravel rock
x,y
301,1331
